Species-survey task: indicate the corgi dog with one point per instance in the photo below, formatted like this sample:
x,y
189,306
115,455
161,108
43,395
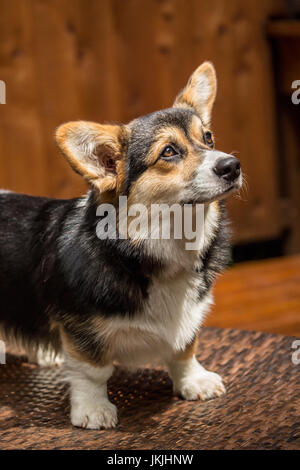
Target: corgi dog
x,y
122,299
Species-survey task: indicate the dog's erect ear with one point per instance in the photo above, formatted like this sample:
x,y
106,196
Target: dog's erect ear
x,y
200,92
94,151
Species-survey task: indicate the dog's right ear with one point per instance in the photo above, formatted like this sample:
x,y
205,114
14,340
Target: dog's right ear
x,y
200,92
94,151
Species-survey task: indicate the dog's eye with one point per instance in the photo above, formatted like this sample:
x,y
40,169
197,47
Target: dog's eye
x,y
168,153
208,140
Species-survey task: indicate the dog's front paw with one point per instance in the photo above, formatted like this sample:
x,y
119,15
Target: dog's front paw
x,y
203,385
94,416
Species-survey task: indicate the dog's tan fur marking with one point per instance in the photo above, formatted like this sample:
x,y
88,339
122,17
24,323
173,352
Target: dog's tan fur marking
x,y
188,352
95,152
117,341
197,131
166,136
162,181
73,351
69,348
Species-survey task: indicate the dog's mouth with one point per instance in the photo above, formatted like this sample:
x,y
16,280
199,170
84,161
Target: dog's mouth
x,y
232,187
227,191
221,194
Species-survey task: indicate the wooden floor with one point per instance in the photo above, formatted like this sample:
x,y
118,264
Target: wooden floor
x,y
263,296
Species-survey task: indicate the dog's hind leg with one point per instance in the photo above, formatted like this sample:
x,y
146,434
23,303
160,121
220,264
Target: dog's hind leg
x,y
45,357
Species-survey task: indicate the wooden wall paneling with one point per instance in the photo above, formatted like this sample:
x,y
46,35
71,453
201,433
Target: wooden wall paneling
x,y
112,60
254,124
231,34
214,40
286,39
289,125
55,53
99,71
21,143
140,85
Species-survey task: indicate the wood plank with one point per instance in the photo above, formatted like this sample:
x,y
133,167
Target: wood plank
x,y
22,164
290,145
284,28
262,296
56,58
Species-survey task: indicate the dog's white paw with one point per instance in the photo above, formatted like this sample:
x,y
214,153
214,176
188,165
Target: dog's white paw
x,y
192,382
203,385
94,416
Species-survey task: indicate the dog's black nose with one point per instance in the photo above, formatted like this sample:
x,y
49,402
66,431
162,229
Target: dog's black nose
x,y
228,168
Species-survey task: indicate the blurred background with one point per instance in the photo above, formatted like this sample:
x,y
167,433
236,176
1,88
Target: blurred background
x,y
113,60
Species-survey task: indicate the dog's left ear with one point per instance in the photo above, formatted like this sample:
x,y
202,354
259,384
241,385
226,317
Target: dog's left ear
x,y
94,151
200,92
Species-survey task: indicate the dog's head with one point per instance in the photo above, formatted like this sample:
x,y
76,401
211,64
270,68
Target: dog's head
x,y
166,156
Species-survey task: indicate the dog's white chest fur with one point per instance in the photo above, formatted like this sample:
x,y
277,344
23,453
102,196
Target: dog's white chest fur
x,y
168,322
172,313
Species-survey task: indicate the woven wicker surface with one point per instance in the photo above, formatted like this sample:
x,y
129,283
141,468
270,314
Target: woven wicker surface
x,y
259,411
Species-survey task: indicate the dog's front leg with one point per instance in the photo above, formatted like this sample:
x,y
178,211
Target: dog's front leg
x,y
191,380
90,407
